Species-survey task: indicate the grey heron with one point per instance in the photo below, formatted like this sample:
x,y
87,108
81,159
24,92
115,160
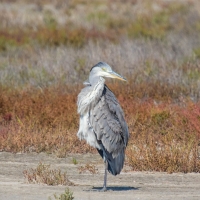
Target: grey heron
x,y
102,122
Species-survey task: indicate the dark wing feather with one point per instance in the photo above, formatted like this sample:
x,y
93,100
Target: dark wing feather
x,y
117,111
109,125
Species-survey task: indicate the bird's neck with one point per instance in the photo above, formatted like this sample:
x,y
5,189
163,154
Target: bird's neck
x,y
94,80
90,95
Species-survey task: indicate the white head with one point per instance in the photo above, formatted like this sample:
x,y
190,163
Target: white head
x,y
102,69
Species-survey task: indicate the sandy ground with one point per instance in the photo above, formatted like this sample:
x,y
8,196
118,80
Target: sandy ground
x,y
127,185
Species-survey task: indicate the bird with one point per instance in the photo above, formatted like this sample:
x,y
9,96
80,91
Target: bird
x,y
102,122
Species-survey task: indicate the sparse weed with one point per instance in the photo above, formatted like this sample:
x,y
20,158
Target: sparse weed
x,y
75,162
67,195
88,167
43,174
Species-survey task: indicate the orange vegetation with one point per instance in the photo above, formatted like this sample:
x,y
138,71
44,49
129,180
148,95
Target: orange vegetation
x,y
163,136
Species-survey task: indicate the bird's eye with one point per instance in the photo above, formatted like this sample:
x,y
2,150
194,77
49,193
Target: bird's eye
x,y
103,68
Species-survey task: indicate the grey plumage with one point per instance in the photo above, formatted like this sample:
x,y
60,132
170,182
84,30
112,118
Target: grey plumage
x,y
102,122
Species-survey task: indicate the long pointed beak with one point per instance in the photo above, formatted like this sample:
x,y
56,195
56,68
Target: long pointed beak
x,y
117,76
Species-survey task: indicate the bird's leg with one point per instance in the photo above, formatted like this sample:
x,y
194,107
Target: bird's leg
x,y
105,175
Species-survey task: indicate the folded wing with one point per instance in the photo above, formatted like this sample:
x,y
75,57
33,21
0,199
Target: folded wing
x,y
108,123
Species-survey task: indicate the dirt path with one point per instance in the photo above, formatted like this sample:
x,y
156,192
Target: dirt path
x,y
128,185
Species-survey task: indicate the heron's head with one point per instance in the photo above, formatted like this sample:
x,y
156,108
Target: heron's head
x,y
104,70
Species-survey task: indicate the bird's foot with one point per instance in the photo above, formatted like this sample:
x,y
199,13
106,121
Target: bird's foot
x,y
104,189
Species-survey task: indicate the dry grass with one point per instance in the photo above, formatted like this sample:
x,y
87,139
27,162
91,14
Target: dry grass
x,y
165,137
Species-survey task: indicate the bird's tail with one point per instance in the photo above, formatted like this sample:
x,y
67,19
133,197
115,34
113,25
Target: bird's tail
x,y
116,164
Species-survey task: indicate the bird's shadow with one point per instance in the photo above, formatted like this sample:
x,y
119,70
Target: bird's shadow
x,y
113,188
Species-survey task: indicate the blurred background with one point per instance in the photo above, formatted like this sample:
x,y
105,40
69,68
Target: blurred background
x,y
48,47
57,42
